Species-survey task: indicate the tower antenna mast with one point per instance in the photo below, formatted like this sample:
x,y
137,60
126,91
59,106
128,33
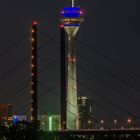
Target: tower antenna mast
x,y
71,3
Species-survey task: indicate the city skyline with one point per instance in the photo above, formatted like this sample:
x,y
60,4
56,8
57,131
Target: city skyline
x,y
110,27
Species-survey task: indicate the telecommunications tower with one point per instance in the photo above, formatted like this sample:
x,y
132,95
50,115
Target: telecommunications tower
x,y
71,19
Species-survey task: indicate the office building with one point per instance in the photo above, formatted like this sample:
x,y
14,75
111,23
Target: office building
x,y
6,113
85,113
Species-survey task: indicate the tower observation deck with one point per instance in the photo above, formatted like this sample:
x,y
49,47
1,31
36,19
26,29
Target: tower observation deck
x,y
71,19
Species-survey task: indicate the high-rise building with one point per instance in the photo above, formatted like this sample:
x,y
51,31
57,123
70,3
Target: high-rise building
x,y
72,18
6,113
85,113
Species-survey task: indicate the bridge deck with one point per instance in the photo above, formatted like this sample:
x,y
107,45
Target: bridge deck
x,y
99,131
95,134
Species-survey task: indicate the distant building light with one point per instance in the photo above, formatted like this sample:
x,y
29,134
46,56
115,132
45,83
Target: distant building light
x,y
102,121
89,121
84,98
31,118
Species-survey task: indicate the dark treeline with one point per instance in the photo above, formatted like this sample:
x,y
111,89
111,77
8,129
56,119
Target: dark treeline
x,y
27,131
19,131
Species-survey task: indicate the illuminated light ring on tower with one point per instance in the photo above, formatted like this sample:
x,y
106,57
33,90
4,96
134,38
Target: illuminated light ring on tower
x,y
72,16
33,109
71,12
72,19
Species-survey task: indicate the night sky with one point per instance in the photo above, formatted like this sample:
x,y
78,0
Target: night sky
x,y
111,27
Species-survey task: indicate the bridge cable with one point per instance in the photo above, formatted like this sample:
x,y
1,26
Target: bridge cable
x,y
14,68
97,51
109,58
59,97
14,44
109,85
99,95
18,65
111,74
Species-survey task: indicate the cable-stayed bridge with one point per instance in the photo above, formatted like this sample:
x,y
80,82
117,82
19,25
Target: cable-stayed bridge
x,y
125,128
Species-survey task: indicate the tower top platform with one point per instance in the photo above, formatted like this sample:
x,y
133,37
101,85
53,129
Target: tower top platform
x,y
72,12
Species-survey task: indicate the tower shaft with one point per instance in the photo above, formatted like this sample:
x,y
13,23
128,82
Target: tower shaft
x,y
72,3
72,110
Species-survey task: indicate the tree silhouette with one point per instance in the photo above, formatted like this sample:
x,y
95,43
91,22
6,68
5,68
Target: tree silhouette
x,y
3,132
23,131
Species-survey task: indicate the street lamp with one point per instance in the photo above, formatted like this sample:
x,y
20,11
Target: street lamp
x,y
129,121
115,122
102,121
102,124
89,121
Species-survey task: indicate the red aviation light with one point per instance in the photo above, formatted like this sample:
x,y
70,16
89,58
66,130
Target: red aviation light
x,y
81,12
34,23
61,26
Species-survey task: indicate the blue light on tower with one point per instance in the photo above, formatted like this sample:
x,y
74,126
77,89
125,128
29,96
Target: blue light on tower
x,y
72,12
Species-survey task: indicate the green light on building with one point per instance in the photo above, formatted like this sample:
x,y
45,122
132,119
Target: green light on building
x,y
50,123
